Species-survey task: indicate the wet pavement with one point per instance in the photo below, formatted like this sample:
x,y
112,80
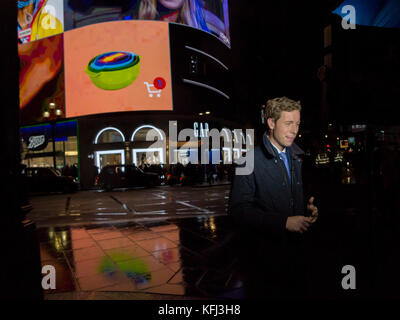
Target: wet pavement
x,y
135,244
174,243
126,205
136,260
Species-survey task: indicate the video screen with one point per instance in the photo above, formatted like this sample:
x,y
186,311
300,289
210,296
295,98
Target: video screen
x,y
82,57
38,19
117,66
209,15
41,79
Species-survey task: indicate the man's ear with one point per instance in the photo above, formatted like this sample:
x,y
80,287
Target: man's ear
x,y
271,123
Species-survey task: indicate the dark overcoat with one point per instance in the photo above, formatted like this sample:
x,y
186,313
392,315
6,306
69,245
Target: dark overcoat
x,y
265,198
260,204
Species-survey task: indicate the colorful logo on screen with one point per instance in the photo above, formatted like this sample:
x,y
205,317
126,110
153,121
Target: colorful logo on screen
x,y
113,70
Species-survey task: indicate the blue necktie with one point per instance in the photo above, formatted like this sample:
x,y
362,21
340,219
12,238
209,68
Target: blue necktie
x,y
285,160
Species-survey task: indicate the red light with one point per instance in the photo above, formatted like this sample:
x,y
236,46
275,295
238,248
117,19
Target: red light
x,y
328,145
180,178
168,175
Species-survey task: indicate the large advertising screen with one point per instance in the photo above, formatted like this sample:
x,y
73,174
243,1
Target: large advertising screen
x,y
82,57
117,66
41,78
209,15
38,19
105,67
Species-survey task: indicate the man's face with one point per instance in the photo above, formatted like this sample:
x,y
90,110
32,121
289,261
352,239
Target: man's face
x,y
284,131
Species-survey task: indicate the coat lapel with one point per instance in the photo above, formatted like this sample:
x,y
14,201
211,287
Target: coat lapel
x,y
278,173
275,167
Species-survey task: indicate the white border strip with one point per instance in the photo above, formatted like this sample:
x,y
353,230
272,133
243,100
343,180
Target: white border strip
x,y
146,126
200,84
109,128
99,153
152,150
208,55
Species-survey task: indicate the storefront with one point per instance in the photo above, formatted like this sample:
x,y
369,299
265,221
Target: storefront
x,y
51,145
106,136
149,155
124,139
111,147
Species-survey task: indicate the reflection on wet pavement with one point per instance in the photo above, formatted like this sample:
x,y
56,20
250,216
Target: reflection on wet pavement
x,y
157,258
175,242
89,206
181,258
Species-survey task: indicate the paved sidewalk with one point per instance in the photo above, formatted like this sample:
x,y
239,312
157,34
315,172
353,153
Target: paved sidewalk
x,y
168,260
92,207
214,184
191,256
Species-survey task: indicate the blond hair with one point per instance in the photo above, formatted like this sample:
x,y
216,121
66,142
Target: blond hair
x,y
275,107
148,11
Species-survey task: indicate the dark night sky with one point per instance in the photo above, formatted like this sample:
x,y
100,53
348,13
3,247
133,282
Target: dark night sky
x,y
276,50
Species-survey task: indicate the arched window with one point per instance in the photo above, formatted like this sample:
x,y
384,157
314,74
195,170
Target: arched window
x,y
140,133
148,155
109,135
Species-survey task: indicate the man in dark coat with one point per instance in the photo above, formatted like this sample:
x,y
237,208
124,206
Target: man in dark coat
x,y
268,208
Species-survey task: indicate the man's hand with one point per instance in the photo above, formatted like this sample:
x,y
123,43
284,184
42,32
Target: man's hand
x,y
312,209
298,223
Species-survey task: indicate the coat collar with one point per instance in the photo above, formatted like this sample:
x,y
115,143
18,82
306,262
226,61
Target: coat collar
x,y
294,150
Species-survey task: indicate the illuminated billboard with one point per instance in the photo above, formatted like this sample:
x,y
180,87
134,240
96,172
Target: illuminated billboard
x,y
101,68
117,66
41,78
209,15
38,19
84,57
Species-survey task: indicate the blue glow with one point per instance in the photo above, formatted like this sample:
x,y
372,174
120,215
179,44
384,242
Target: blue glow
x,y
62,130
65,129
35,131
375,13
61,139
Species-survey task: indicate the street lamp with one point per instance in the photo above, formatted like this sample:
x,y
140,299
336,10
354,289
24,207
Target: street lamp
x,y
51,115
52,112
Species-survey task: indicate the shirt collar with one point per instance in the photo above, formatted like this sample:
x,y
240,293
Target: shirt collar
x,y
276,148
